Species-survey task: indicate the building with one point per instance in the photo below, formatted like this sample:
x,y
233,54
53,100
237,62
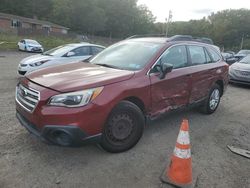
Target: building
x,y
28,26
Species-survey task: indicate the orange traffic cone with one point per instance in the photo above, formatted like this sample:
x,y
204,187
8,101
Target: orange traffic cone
x,y
179,171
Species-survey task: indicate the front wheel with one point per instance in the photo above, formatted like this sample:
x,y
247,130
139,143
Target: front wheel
x,y
124,128
213,100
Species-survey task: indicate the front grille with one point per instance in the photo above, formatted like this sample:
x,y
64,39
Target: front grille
x,y
27,97
245,73
242,73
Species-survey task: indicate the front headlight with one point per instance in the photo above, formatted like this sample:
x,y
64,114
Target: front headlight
x,y
38,63
75,99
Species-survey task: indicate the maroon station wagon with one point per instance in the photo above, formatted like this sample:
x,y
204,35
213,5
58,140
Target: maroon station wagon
x,y
109,99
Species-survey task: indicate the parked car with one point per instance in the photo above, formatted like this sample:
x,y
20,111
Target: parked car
x,y
237,57
230,52
109,99
227,55
29,45
239,72
68,53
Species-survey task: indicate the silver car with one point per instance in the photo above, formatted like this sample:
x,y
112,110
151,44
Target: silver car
x,y
61,55
239,72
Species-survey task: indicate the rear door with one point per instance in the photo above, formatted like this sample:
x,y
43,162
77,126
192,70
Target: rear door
x,y
204,72
173,91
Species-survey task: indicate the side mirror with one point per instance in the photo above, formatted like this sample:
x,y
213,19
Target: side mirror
x,y
164,68
69,54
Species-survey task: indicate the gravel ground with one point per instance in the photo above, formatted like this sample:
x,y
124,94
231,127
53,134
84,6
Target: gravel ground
x,y
26,162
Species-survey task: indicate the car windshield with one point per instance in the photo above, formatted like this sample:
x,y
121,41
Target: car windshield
x,y
245,60
32,42
244,52
128,55
58,50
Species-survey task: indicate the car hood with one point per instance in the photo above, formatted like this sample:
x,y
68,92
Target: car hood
x,y
37,58
241,66
77,76
240,55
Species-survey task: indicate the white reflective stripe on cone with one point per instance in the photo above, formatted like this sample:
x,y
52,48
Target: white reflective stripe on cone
x,y
182,153
183,138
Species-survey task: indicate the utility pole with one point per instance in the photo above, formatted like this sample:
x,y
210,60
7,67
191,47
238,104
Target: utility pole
x,y
168,20
242,42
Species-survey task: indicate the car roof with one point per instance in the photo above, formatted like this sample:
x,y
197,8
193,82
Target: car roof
x,y
150,39
30,40
165,40
161,38
83,44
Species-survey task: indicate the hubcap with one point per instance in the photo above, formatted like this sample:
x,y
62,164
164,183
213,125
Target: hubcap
x,y
214,99
120,128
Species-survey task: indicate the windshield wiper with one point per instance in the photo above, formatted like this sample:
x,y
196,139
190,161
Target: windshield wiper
x,y
109,66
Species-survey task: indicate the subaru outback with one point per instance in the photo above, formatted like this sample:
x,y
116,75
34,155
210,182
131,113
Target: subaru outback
x,y
109,99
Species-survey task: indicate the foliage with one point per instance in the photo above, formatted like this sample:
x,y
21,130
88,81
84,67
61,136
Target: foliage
x,y
225,27
122,18
113,18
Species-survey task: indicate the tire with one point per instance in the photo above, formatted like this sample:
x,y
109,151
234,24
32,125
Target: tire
x,y
210,106
123,128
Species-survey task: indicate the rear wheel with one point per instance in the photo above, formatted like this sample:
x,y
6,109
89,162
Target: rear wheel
x,y
213,100
124,128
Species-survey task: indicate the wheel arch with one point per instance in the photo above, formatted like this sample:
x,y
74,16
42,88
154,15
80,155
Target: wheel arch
x,y
138,102
221,84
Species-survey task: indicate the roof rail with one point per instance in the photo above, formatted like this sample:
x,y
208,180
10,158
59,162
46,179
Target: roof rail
x,y
146,35
190,38
177,38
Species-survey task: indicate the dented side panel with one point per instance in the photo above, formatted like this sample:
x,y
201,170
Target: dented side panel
x,y
171,92
203,77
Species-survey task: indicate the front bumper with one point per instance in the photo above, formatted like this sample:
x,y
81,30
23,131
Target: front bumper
x,y
72,135
35,49
238,78
239,82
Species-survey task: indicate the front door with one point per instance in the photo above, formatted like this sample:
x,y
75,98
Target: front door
x,y
173,91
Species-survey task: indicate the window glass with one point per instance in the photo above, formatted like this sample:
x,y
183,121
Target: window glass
x,y
208,58
82,51
176,56
96,50
16,23
197,55
215,56
128,55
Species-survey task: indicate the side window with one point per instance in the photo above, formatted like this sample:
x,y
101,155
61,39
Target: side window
x,y
208,58
176,56
82,51
215,56
96,50
197,55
